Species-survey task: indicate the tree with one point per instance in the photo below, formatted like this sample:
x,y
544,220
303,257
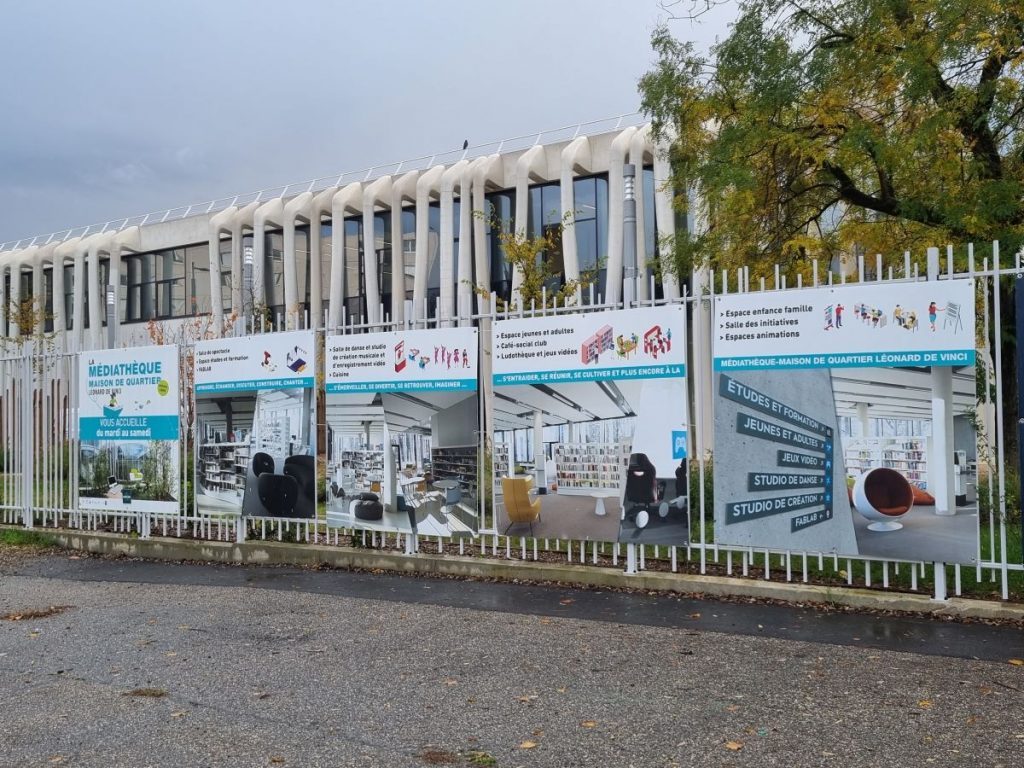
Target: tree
x,y
540,285
821,126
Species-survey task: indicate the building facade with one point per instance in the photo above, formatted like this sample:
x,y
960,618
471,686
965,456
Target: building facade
x,y
420,238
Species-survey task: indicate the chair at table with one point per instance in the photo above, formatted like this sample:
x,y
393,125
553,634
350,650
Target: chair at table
x,y
520,508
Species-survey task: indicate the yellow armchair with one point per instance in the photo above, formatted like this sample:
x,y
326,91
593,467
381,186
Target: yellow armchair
x,y
519,507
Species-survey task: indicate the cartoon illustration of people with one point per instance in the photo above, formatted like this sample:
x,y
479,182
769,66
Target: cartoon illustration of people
x,y
839,316
266,359
933,313
465,359
436,351
897,315
113,399
455,357
911,322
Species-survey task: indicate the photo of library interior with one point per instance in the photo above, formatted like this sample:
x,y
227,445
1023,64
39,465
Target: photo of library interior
x,y
591,461
893,464
404,462
256,453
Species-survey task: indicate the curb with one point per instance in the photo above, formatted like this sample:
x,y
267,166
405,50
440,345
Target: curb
x,y
275,553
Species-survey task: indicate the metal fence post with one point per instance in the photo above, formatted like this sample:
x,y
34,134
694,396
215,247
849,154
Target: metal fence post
x,y
942,403
27,428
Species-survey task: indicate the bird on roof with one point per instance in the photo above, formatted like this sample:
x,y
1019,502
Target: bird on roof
x,y
465,144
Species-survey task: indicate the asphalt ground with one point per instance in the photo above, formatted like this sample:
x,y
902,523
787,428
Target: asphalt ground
x,y
276,666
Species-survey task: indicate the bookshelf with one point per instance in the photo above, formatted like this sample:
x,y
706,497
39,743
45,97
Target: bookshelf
x,y
499,464
907,455
361,468
224,466
585,468
457,462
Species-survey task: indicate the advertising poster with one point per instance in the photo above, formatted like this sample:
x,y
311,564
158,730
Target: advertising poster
x,y
590,419
841,414
256,425
403,425
128,424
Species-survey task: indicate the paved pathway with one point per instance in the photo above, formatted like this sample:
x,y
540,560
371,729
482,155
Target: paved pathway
x,y
271,667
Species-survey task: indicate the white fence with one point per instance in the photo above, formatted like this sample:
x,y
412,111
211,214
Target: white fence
x,y
39,444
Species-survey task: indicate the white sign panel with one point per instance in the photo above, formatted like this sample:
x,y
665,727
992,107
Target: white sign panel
x,y
264,361
128,424
861,325
645,343
437,359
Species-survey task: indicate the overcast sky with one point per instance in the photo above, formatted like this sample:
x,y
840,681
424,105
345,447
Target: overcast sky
x,y
114,108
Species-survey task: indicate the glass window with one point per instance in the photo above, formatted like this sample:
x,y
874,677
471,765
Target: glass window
x,y
165,284
501,217
226,275
590,222
48,299
352,274
434,253
409,251
544,216
273,272
69,295
651,253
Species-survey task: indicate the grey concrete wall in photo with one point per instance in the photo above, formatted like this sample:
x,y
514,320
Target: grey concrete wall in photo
x,y
742,460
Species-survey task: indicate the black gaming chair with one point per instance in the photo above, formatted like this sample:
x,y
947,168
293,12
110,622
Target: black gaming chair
x,y
261,464
303,470
641,488
277,494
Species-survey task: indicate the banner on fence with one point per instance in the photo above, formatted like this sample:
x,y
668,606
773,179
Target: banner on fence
x,y
403,414
839,411
256,425
857,326
590,422
129,428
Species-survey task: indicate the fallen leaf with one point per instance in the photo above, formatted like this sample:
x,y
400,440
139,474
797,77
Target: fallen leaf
x,y
567,601
589,723
924,703
545,621
1017,662
277,760
694,615
450,681
528,698
972,720
170,654
735,746
57,759
561,690
732,708
528,744
178,714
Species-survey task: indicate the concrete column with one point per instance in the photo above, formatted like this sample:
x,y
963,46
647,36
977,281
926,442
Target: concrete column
x,y
344,200
321,205
449,180
862,417
59,316
97,301
664,214
530,164
639,147
538,448
464,288
426,184
940,459
575,155
78,297
272,213
14,300
381,188
219,224
295,210
616,159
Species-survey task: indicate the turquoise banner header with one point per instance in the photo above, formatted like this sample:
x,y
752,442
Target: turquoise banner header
x,y
291,382
589,374
128,428
956,357
434,385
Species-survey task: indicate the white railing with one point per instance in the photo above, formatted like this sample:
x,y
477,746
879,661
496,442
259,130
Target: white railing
x,y
39,461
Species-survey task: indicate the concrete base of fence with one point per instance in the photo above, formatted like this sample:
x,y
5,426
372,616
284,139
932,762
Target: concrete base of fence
x,y
274,553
